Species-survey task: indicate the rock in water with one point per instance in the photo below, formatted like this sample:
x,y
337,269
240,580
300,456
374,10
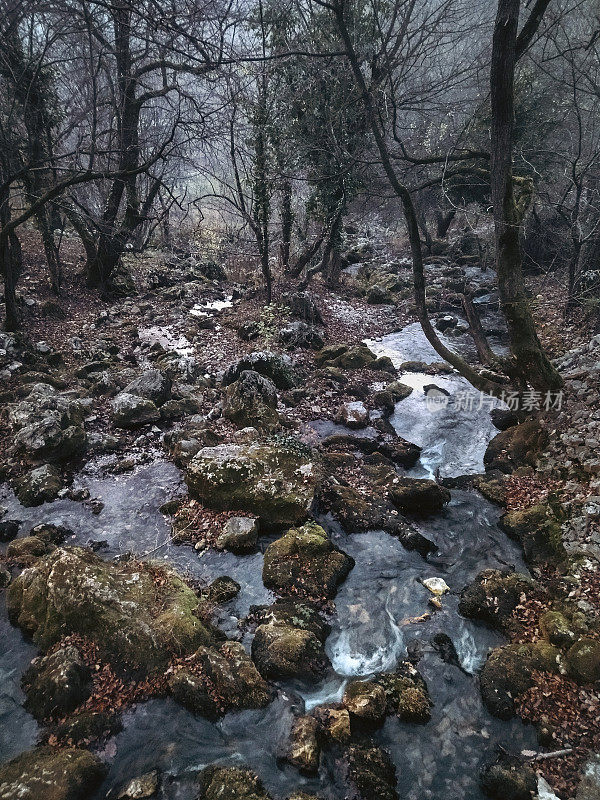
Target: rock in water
x,y
493,596
213,682
56,684
369,774
437,586
289,640
230,783
276,481
418,496
240,535
47,773
366,701
303,750
306,563
509,779
73,591
142,787
40,485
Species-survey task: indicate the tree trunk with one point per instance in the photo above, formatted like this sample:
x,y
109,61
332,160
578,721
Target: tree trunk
x,y
287,222
531,362
444,221
12,261
50,250
306,256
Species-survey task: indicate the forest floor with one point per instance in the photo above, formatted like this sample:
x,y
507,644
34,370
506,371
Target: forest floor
x,y
63,334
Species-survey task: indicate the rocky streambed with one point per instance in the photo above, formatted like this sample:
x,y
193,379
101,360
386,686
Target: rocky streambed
x,y
359,608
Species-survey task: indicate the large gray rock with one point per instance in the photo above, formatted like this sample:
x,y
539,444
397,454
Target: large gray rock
x,y
275,480
152,385
239,535
251,401
302,306
132,411
302,335
48,424
278,368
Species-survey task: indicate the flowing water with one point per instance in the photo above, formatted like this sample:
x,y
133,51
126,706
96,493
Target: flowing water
x,y
380,609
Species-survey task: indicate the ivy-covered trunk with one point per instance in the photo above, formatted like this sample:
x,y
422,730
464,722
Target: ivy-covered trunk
x,y
531,362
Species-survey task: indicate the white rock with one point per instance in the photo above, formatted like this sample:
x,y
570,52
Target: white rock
x,y
436,586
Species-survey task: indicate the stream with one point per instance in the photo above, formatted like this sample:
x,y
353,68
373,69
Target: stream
x,y
374,622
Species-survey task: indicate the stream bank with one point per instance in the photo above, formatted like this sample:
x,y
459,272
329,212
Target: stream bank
x,y
379,615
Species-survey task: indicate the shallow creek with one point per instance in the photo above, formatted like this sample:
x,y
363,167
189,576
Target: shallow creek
x,y
375,620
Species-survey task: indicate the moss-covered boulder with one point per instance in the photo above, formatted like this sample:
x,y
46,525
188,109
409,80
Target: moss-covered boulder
x,y
583,660
303,750
407,696
418,496
555,627
492,488
537,530
39,485
365,701
25,550
393,393
516,446
369,774
509,779
305,562
334,723
493,596
47,773
212,682
251,401
56,684
137,613
230,783
275,480
508,672
289,640
356,357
